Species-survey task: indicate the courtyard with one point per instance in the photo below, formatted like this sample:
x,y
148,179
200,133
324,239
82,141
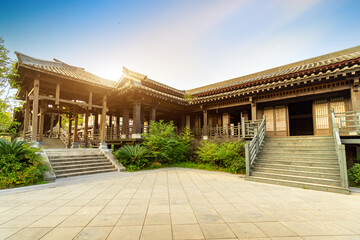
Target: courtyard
x,y
175,204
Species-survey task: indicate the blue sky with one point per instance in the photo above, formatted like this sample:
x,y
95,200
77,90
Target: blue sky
x,y
183,43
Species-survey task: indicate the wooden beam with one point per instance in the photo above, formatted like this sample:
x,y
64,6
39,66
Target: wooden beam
x,y
35,110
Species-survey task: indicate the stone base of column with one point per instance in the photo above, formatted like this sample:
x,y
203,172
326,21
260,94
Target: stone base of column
x,y
103,145
205,138
136,136
75,145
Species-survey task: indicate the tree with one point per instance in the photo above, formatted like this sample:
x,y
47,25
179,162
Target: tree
x,y
8,75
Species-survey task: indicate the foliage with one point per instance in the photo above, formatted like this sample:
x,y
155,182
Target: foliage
x,y
19,164
354,175
165,144
8,80
133,157
228,154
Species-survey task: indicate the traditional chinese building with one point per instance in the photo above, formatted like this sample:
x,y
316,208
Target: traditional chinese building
x,y
314,97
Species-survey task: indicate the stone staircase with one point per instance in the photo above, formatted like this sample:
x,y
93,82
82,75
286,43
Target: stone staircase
x,y
74,162
308,162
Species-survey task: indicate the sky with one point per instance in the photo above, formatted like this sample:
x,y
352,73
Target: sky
x,y
182,43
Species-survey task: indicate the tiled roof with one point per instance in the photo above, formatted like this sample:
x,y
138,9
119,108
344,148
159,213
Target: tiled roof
x,y
308,64
63,69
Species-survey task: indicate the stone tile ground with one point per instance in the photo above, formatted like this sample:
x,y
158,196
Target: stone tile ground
x,y
175,204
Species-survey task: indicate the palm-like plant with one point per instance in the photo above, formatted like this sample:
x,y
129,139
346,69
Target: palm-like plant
x,y
16,147
133,155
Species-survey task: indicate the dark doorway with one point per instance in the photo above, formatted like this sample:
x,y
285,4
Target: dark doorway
x,y
301,118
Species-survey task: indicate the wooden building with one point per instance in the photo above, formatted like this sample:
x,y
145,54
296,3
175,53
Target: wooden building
x,y
295,98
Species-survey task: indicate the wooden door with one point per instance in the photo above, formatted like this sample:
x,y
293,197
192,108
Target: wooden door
x,y
276,121
321,118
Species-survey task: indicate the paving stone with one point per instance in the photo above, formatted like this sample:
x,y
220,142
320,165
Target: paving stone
x,y
191,231
94,233
125,233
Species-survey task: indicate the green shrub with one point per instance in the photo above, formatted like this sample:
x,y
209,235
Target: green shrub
x,y
133,157
228,154
354,175
19,164
165,144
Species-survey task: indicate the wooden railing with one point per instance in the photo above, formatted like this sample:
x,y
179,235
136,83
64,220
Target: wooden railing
x,y
245,129
252,149
348,122
340,150
63,136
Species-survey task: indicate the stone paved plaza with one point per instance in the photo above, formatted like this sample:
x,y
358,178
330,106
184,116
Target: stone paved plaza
x,y
175,204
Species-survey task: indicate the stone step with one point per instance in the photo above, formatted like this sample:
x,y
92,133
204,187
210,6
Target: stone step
x,y
298,163
323,181
84,173
60,163
322,169
83,169
294,147
277,152
304,140
75,156
309,137
299,144
77,159
296,158
319,187
334,176
80,166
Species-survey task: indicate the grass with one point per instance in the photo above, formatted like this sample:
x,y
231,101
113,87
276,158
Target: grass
x,y
192,165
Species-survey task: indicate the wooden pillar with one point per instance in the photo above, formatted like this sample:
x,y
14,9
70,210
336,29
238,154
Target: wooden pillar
x,y
117,127
35,110
103,122
125,122
153,114
57,94
69,132
205,126
41,124
110,121
136,120
26,115
52,120
59,125
253,111
187,119
86,128
75,143
96,123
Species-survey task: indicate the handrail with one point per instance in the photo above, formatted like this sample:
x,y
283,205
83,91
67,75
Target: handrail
x,y
340,150
63,136
252,149
348,122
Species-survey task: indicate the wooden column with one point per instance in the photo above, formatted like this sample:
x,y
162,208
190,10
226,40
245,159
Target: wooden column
x,y
103,122
57,94
59,125
117,127
86,128
52,120
35,110
187,120
205,126
125,122
137,120
75,143
153,114
27,114
69,132
41,124
96,123
253,111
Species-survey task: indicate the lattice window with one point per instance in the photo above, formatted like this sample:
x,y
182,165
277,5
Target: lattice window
x,y
269,115
280,116
322,116
339,107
